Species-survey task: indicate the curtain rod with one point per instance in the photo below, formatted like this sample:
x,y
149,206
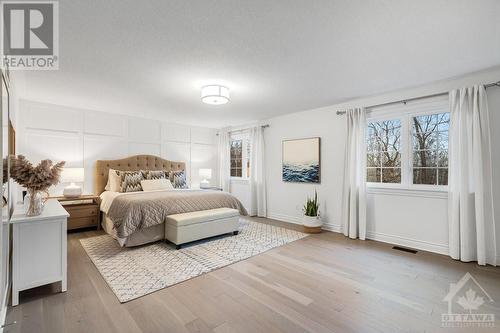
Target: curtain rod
x,y
244,129
404,101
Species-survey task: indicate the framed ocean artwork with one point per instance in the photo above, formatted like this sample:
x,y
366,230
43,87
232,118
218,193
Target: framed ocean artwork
x,y
301,161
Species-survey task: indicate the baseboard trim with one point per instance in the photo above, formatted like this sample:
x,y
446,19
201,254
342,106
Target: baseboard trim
x,y
376,236
408,242
297,220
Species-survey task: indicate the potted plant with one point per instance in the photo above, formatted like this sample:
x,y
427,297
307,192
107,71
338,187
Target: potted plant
x,y
311,220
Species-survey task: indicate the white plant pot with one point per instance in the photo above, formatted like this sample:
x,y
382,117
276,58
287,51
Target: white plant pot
x,y
311,221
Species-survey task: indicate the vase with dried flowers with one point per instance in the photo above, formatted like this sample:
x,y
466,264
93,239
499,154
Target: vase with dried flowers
x,y
36,180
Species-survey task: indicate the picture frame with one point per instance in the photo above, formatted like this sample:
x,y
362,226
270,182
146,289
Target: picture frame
x,y
301,160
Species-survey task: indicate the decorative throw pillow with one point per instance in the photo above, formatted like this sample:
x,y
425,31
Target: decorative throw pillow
x,y
178,179
156,184
114,181
157,174
130,180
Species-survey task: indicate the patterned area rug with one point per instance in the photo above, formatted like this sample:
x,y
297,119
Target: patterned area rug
x,y
135,272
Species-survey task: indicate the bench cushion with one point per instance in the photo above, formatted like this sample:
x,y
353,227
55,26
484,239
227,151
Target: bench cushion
x,y
201,216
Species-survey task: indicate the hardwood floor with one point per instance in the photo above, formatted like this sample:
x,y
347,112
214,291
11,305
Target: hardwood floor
x,y
322,283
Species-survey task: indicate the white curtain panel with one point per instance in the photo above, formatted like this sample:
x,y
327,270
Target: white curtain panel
x,y
224,159
354,191
470,198
258,200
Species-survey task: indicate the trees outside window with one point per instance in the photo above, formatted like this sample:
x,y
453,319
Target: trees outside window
x,y
430,149
384,151
240,155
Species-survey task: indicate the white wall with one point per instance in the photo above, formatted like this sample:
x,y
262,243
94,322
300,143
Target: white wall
x,y
80,137
406,218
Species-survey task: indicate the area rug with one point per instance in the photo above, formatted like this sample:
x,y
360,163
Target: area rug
x,y
135,272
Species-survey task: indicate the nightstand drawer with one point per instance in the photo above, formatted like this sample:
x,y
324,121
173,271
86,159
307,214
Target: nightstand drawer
x,y
82,222
78,211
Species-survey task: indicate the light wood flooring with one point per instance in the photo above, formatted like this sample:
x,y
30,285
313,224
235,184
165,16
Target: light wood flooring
x,y
322,283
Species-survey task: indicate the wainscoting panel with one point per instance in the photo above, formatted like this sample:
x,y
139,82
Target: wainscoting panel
x,y
105,124
203,156
54,145
178,151
51,117
144,130
176,133
81,137
135,148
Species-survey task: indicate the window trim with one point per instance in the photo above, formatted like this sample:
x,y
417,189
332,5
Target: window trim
x,y
405,113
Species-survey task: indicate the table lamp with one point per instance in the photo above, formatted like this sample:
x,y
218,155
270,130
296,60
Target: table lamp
x,y
72,176
205,175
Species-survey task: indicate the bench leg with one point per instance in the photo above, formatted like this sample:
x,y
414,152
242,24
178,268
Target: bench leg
x,y
235,232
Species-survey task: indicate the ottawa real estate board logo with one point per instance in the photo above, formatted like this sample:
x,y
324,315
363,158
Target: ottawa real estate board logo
x,y
467,301
29,35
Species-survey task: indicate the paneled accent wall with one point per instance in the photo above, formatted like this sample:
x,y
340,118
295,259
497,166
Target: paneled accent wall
x,y
80,137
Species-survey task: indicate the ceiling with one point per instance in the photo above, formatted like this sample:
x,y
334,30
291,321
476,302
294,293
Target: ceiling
x,y
150,58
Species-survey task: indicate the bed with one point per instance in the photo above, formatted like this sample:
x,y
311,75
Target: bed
x,y
137,218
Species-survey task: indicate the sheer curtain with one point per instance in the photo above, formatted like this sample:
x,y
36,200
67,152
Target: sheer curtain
x,y
354,191
258,200
224,159
470,200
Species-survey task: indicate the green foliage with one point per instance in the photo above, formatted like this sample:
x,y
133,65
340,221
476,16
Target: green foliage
x,y
311,208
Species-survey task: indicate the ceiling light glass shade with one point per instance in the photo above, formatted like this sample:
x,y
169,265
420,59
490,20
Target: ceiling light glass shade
x,y
214,94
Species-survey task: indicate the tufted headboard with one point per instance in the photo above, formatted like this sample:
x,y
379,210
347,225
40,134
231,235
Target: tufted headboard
x,y
132,163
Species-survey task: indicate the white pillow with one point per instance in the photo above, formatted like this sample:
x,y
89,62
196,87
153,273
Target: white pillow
x,y
113,181
156,184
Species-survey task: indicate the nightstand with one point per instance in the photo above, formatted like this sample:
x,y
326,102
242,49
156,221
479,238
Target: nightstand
x,y
83,211
39,248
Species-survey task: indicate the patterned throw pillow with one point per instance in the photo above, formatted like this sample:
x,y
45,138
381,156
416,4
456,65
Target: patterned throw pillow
x,y
157,174
130,181
178,179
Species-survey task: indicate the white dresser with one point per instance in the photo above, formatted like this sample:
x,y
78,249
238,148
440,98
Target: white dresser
x,y
39,248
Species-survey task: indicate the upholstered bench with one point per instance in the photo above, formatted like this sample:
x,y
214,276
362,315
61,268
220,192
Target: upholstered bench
x,y
188,227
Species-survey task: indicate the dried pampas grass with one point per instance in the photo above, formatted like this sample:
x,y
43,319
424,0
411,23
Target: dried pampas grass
x,y
35,178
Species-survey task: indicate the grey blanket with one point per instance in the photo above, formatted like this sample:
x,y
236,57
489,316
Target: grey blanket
x,y
134,212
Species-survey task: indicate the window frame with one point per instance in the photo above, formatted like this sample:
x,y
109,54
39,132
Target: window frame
x,y
245,143
405,113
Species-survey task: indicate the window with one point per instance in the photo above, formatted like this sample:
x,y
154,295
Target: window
x,y
430,149
384,152
240,156
236,158
407,146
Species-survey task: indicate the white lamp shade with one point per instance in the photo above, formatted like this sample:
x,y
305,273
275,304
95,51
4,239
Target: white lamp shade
x,y
72,175
205,173
215,94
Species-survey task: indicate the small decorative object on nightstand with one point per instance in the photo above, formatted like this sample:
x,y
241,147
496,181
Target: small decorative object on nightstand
x,y
72,176
39,247
205,175
83,211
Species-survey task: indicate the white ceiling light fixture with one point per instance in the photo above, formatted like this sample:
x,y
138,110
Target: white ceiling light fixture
x,y
214,94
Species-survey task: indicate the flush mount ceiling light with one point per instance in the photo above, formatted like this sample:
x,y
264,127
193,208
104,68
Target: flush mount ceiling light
x,y
214,94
